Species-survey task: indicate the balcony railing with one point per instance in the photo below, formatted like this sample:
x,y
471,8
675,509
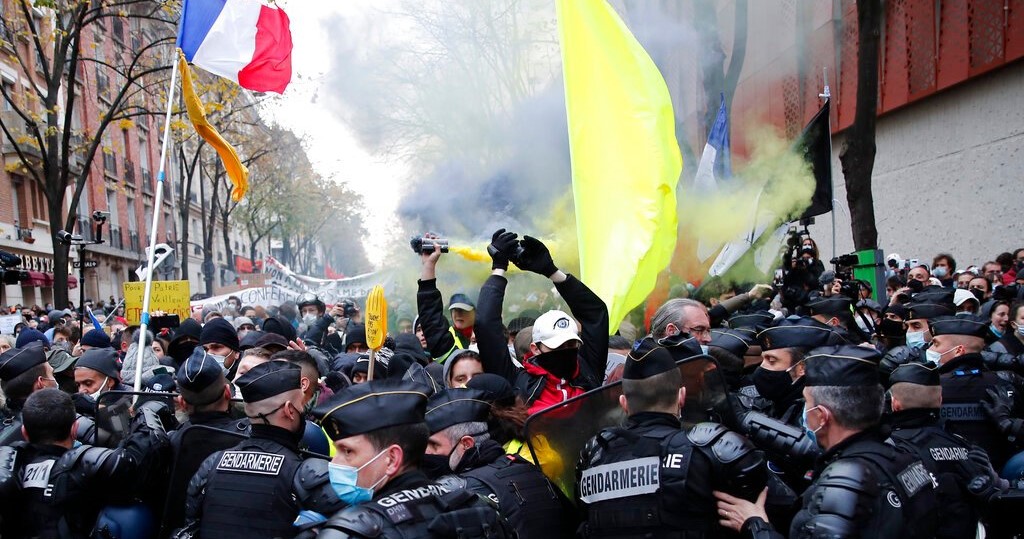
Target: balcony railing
x,y
133,242
25,234
147,182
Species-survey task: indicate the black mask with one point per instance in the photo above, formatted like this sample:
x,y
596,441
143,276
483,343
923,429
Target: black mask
x,y
979,294
560,362
772,385
435,466
890,328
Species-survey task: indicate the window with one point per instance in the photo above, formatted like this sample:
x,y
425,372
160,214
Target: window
x,y
144,157
132,224
9,92
112,208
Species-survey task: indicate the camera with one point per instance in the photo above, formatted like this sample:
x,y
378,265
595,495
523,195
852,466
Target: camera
x,y
424,245
845,261
100,216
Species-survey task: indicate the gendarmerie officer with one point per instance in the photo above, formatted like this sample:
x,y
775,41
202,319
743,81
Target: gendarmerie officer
x,y
671,471
955,347
257,488
380,435
205,394
23,371
457,418
51,488
862,486
916,398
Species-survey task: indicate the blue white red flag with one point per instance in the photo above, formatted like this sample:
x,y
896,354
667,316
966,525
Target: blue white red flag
x,y
246,41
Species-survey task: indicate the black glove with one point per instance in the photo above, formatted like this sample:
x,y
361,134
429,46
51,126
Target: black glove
x,y
503,247
997,406
535,257
84,404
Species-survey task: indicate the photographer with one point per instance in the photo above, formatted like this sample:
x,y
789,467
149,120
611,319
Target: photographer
x,y
803,255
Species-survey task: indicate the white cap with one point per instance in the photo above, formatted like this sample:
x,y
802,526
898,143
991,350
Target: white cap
x,y
554,328
961,295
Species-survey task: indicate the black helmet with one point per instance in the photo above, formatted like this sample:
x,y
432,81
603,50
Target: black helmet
x,y
310,298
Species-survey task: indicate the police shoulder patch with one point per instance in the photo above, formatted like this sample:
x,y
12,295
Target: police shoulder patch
x,y
914,478
251,462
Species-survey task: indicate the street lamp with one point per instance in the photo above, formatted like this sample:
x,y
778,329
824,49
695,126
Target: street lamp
x,y
66,238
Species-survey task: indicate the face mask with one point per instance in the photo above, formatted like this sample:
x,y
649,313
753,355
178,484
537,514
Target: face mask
x,y
344,478
939,272
308,318
312,400
229,318
995,331
473,347
772,385
812,434
435,466
915,339
979,294
863,325
704,349
560,362
1020,331
933,357
61,345
103,386
218,358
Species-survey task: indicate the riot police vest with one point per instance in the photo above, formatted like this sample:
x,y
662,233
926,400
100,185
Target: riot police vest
x,y
622,486
945,456
249,492
524,496
38,514
962,390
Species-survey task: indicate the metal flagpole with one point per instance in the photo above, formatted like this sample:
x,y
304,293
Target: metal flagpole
x,y
827,94
157,210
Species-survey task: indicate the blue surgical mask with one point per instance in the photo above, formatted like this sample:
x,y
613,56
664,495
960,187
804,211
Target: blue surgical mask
x,y
995,331
812,434
939,272
344,478
1020,331
915,339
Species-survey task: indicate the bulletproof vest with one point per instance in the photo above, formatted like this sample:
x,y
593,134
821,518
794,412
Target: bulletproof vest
x,y
428,511
623,485
945,456
962,390
249,492
525,497
907,508
33,512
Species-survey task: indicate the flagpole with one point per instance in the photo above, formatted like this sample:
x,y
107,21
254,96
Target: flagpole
x,y
157,210
827,94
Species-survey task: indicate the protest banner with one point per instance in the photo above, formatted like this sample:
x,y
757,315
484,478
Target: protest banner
x,y
170,297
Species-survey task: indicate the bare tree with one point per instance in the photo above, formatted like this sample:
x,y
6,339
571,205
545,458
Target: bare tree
x,y
858,153
50,44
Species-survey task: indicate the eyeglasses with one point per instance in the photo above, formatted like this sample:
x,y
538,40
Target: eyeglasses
x,y
698,331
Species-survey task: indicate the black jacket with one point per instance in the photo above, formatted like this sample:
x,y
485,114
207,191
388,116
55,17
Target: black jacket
x,y
441,339
589,310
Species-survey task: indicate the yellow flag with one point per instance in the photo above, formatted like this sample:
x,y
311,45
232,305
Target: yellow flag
x,y
236,171
625,158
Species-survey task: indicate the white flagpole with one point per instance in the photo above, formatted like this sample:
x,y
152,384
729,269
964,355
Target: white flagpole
x,y
827,94
157,210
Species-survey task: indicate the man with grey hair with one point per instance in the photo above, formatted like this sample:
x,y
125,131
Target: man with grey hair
x,y
459,443
862,486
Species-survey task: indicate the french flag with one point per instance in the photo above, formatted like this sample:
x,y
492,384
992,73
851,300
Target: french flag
x,y
242,40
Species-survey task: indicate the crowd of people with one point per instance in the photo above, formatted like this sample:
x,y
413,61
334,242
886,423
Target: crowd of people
x,y
811,408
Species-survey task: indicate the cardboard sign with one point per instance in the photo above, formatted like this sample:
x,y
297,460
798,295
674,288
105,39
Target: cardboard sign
x,y
171,297
8,322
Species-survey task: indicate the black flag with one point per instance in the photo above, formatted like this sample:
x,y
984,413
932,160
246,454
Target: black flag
x,y
814,142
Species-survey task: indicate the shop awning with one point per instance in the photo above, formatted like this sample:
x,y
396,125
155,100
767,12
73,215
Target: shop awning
x,y
49,279
35,278
72,282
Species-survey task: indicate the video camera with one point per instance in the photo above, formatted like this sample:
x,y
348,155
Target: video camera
x,y
425,245
844,272
10,271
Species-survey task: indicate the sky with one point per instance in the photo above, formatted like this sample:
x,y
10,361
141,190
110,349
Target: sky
x,y
330,143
